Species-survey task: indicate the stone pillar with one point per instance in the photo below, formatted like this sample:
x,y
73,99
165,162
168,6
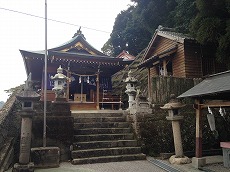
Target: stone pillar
x,y
25,140
177,135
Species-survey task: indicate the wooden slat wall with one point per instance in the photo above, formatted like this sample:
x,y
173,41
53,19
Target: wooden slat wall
x,y
153,71
193,62
164,44
178,59
178,62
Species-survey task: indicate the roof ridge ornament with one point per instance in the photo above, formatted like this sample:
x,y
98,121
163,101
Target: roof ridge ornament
x,y
79,33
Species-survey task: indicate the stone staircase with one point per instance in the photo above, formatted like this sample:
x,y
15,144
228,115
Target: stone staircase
x,y
103,137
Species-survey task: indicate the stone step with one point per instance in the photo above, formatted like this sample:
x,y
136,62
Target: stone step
x,y
86,131
95,115
104,144
103,159
102,125
99,119
101,137
87,153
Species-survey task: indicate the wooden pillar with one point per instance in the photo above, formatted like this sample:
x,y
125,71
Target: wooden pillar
x,y
165,67
67,84
98,86
198,129
149,83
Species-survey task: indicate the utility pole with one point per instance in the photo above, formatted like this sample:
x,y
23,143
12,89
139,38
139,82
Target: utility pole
x,y
45,79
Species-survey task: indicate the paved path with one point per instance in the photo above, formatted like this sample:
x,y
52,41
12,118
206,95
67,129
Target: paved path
x,y
127,166
214,164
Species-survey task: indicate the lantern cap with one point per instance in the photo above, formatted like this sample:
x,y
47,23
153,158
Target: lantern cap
x,y
28,94
59,75
174,103
130,78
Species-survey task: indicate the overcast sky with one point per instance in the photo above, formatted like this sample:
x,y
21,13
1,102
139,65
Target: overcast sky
x,y
20,31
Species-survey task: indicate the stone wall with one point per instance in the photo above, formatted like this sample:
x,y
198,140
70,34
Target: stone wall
x,y
157,136
9,131
59,127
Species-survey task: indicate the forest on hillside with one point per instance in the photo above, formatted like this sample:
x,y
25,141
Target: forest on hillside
x,y
207,21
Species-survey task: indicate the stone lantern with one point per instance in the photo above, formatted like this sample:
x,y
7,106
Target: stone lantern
x,y
173,115
59,85
130,88
27,97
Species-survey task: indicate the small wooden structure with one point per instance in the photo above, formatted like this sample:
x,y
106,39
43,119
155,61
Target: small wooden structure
x,y
174,54
126,56
214,91
89,70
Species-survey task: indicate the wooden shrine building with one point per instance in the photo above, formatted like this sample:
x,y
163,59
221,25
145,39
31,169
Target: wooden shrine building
x,y
174,54
89,71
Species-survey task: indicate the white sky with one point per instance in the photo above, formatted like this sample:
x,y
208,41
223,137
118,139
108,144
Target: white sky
x,y
18,31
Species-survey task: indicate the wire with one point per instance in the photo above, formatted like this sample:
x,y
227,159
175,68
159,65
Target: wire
x,y
58,21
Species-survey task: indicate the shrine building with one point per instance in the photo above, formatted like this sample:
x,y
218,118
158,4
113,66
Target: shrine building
x,y
88,70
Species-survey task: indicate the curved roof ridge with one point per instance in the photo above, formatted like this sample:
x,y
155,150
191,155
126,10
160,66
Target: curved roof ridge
x,y
76,38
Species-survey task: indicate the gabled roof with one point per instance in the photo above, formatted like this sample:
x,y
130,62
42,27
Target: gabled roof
x,y
125,56
168,33
215,86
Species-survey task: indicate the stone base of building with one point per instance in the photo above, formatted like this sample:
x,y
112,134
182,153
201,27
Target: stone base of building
x,y
23,167
45,157
60,99
183,160
198,162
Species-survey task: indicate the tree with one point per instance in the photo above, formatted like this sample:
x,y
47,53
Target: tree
x,y
212,27
180,18
134,27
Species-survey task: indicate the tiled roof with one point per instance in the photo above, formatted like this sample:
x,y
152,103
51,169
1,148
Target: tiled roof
x,y
171,32
211,86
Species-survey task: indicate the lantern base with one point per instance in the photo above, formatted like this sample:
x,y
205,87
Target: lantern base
x,y
60,99
23,167
182,160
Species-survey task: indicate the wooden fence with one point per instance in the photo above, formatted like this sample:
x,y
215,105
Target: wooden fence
x,y
163,87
